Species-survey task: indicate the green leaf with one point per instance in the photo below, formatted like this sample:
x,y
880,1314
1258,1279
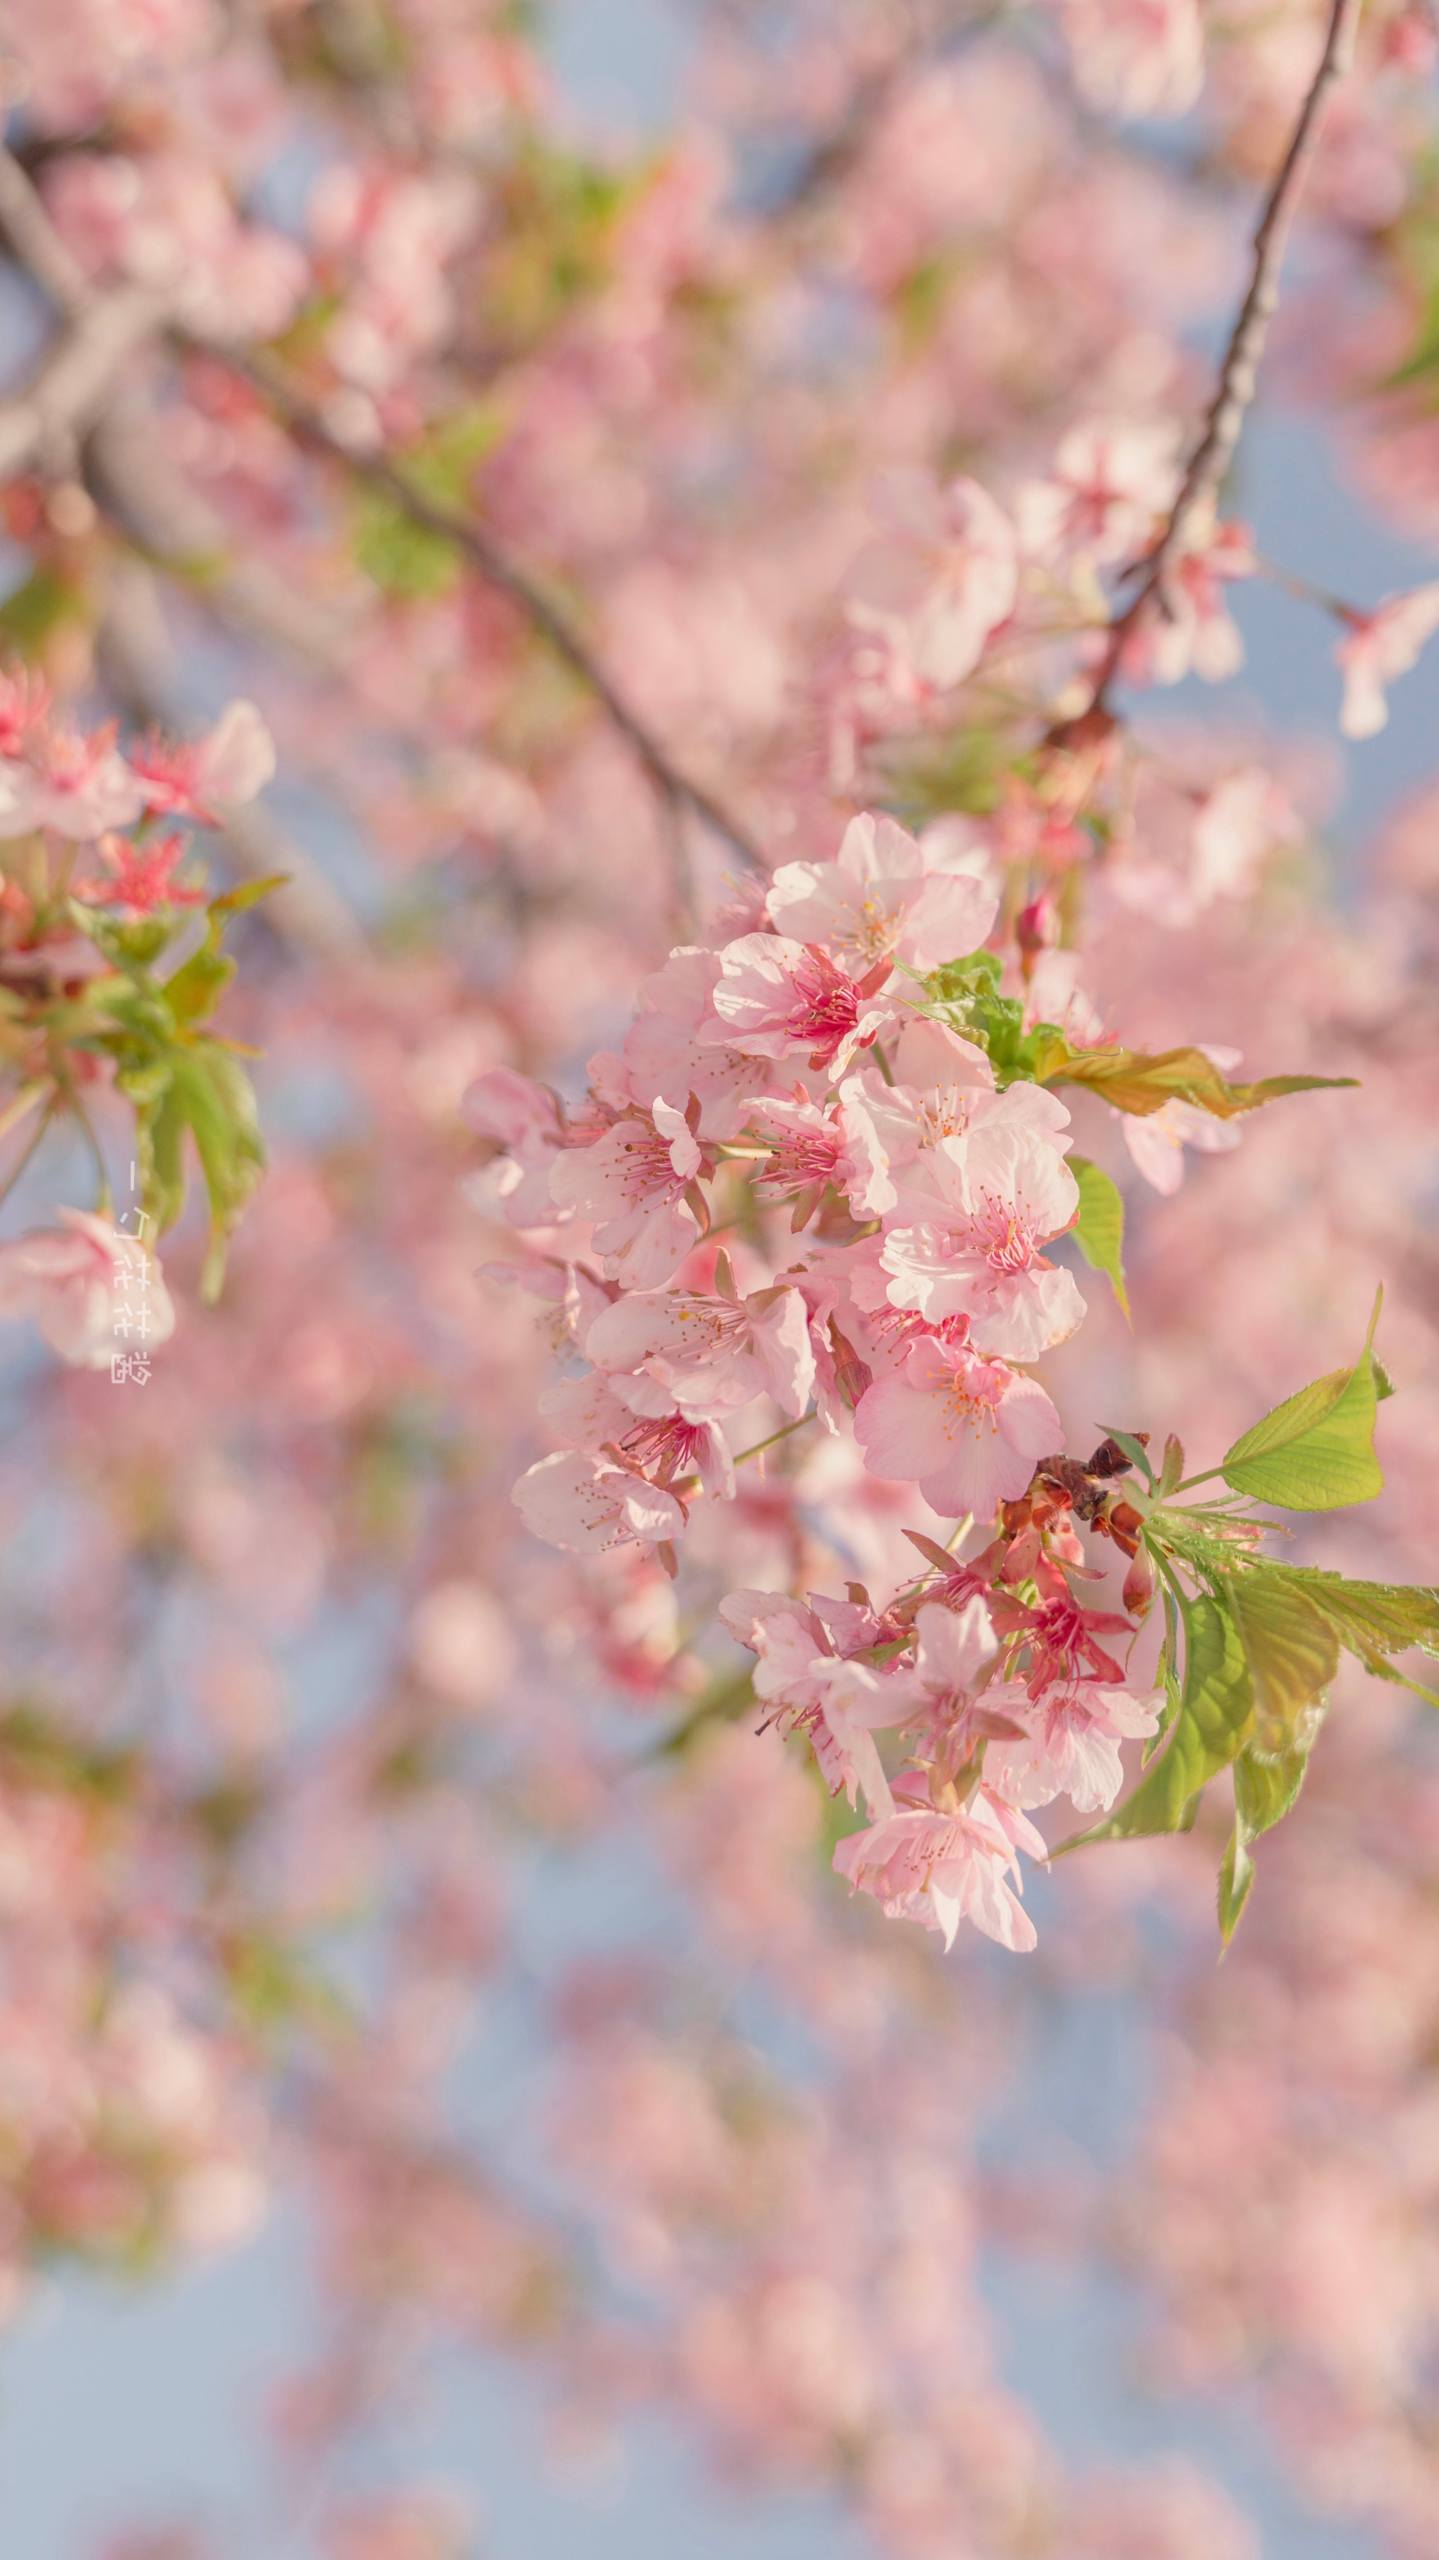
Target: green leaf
x,y
1264,1791
246,894
1368,1617
1293,1654
1139,1083
37,610
1168,1679
208,1097
1215,1708
195,988
1315,1452
127,943
1099,1228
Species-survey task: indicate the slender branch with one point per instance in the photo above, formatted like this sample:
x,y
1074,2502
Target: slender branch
x,y
497,566
119,325
69,388
44,422
832,159
1239,370
36,242
786,1432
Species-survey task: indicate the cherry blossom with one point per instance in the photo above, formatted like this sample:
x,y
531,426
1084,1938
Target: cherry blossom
x,y
882,897
632,1184
966,1430
711,1354
89,1289
939,578
992,1198
943,1867
1137,57
775,996
1376,648
588,1506
1069,1744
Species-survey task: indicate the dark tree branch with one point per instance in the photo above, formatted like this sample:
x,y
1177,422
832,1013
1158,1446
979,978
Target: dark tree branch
x,y
1239,370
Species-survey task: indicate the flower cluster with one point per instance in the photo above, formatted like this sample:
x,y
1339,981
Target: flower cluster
x,y
91,900
810,1065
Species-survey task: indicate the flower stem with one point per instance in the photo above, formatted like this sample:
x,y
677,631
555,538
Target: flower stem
x,y
761,1445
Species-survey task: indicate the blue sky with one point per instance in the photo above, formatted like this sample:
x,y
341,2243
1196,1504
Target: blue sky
x,y
111,2404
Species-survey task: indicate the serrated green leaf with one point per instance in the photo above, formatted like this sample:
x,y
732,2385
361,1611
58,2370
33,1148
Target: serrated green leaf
x,y
1368,1617
1315,1452
1293,1654
1099,1228
1139,1082
208,1097
1264,1791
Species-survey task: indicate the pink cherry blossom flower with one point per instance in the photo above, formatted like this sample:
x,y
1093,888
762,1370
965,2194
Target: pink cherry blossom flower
x,y
895,1130
884,897
774,996
1378,647
1071,1745
633,1184
595,1414
940,577
523,1119
954,1652
806,1150
967,1431
810,1689
670,1046
1136,57
138,879
1194,634
166,220
199,777
943,1867
91,1290
80,786
997,1195
592,1507
1062,1635
1108,487
710,1354
1158,1140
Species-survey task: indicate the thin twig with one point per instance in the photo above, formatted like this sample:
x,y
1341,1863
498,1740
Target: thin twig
x,y
1239,371
37,244
43,253
44,422
500,570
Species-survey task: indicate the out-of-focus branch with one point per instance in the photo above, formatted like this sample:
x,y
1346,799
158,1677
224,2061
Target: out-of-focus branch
x,y
130,477
501,571
41,250
832,158
1239,369
37,244
44,422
